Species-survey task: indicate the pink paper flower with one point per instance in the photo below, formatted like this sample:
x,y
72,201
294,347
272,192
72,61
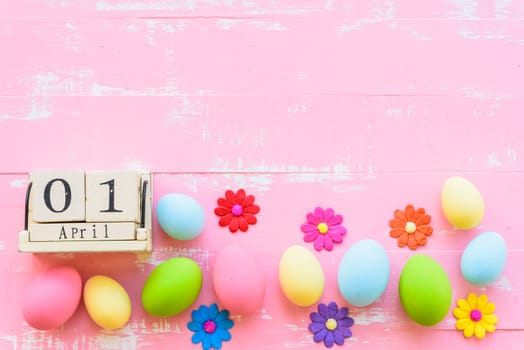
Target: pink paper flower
x,y
323,228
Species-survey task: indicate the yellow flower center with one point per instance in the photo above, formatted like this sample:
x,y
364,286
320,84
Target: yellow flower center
x,y
331,324
322,227
410,227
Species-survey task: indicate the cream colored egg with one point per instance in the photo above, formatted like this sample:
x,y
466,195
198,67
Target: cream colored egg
x,y
462,203
107,302
301,276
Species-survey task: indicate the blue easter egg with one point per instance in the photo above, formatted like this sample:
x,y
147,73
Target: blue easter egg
x,y
484,259
363,273
180,216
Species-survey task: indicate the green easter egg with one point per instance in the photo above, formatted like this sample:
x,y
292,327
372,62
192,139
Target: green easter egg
x,y
172,287
424,290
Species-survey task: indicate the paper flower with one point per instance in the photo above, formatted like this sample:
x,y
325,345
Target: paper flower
x,y
475,316
237,210
323,228
330,324
411,227
211,326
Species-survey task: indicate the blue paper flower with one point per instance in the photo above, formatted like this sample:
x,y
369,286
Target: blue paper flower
x,y
211,326
330,324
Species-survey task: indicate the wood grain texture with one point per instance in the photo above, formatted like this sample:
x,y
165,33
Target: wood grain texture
x,y
361,106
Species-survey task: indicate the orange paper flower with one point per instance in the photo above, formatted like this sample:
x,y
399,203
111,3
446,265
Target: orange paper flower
x,y
411,227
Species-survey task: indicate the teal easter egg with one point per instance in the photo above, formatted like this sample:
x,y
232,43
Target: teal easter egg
x,y
363,273
484,259
172,287
180,216
424,290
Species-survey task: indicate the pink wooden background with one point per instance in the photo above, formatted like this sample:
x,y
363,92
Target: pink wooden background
x,y
364,106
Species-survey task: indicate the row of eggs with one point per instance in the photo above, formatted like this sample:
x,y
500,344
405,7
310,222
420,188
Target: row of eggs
x,y
174,285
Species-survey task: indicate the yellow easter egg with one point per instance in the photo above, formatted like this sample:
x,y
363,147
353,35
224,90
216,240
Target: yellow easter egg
x,y
107,302
462,203
301,276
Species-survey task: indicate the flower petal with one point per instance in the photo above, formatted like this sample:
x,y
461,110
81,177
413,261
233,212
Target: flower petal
x,y
488,326
469,329
233,224
311,236
403,240
346,332
472,300
230,196
223,202
206,342
225,335
396,232
409,212
198,337
328,215
396,223
335,220
346,322
489,308
399,215
425,229
319,213
462,323
222,315
213,311
332,309
341,313
480,332
251,219
317,317
195,326
248,201
459,313
340,230
225,324
240,195
242,224
316,326
463,305
482,301
489,318
221,211
338,337
412,242
319,242
251,209
328,243
423,220
307,227
335,237
320,335
324,311
312,219
216,342
225,220
420,238
329,340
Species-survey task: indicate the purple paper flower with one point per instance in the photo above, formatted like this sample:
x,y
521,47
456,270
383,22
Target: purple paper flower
x,y
323,228
330,324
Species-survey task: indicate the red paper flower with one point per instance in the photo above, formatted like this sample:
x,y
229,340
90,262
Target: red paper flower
x,y
410,227
237,210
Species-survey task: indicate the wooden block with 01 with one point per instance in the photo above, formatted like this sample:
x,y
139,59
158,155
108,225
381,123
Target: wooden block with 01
x,y
114,213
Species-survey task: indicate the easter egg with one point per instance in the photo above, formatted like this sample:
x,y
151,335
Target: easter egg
x,y
301,276
484,259
461,203
363,273
238,281
51,298
424,290
180,216
107,302
172,287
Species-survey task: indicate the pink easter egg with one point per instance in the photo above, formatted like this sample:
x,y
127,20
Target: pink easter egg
x,y
52,297
238,281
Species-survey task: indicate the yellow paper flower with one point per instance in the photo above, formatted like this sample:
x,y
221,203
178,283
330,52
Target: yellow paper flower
x,y
475,316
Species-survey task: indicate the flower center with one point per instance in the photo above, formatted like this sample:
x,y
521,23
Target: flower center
x,y
331,324
237,210
210,326
322,227
410,227
475,315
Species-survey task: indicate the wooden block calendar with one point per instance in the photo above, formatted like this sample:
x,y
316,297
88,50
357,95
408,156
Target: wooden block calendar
x,y
87,211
